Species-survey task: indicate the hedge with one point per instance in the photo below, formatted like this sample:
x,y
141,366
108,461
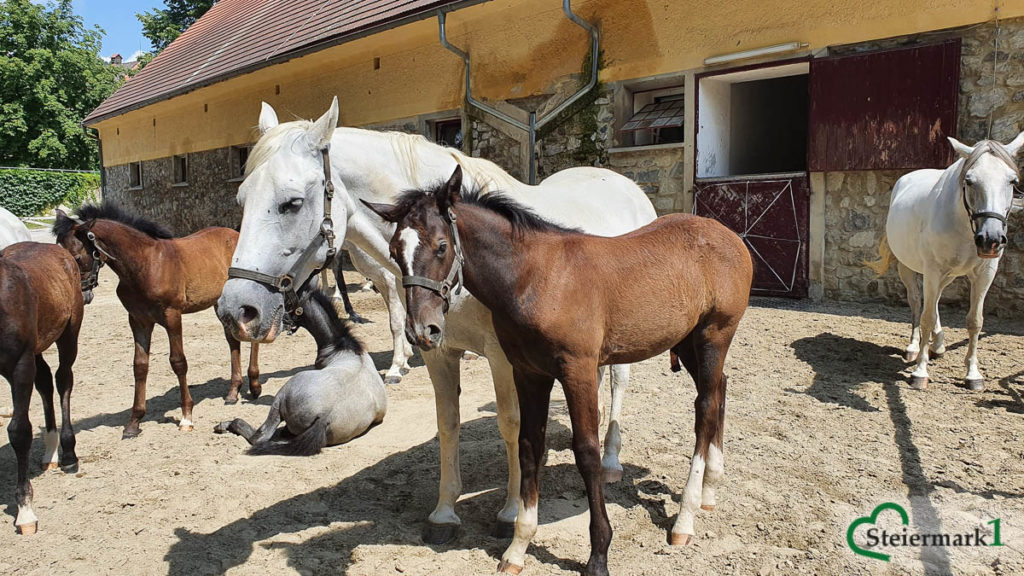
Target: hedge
x,y
27,192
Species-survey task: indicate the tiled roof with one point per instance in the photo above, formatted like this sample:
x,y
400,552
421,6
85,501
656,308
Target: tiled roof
x,y
237,36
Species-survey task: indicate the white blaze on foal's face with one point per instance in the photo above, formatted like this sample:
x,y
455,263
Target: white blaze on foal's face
x,y
410,243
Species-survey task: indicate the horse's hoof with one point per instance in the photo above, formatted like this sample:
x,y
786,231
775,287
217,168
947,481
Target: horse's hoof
x,y
708,507
391,380
255,392
919,382
185,428
975,384
909,356
438,534
504,530
611,475
221,428
357,319
50,466
230,401
935,355
679,539
69,467
28,529
130,433
506,567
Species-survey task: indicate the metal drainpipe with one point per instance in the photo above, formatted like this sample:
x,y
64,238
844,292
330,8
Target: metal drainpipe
x,y
535,123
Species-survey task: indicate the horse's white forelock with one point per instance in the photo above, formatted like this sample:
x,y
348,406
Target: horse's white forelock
x,y
272,141
983,148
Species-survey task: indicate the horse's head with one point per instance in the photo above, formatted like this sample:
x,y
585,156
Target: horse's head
x,y
73,235
987,179
426,247
283,198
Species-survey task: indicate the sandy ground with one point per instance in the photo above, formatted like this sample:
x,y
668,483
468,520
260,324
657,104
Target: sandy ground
x,y
821,428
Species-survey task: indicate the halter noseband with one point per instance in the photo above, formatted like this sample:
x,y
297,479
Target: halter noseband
x,y
982,148
93,279
454,278
303,267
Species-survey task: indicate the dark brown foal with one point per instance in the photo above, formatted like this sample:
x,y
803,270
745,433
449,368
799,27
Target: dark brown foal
x,y
564,303
161,278
40,304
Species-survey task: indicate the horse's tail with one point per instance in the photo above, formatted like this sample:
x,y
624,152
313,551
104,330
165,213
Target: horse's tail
x,y
309,442
885,258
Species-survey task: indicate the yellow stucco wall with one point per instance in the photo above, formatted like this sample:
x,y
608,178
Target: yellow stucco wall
x,y
519,48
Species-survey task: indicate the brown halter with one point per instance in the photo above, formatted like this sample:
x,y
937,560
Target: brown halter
x,y
303,267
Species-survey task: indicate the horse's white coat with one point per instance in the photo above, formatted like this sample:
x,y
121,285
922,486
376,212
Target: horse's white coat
x,y
12,230
378,167
929,232
713,475
51,438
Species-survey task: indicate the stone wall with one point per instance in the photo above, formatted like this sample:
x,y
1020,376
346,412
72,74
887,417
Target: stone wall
x,y
658,171
207,200
856,203
488,142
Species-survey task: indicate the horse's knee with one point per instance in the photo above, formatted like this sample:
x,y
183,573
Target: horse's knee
x,y
179,366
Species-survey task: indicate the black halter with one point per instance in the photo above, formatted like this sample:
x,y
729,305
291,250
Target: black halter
x,y
304,267
975,215
93,279
454,278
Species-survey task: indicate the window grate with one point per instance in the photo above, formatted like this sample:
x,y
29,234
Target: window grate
x,y
665,114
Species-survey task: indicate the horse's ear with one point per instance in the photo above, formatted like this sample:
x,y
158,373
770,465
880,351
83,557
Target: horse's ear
x,y
389,212
963,150
268,118
1014,147
87,225
323,129
452,191
60,214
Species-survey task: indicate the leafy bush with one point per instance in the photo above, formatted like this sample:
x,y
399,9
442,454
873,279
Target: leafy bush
x,y
27,192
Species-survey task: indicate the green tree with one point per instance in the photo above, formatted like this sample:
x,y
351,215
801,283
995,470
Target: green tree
x,y
163,26
51,77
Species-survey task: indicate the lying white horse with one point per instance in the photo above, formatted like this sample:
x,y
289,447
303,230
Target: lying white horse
x,y
944,224
283,201
12,230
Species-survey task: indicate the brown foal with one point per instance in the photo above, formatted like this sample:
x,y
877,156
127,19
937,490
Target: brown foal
x,y
564,303
161,278
40,304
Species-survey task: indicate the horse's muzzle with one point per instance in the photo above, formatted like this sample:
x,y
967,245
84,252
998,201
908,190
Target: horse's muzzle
x,y
249,311
427,336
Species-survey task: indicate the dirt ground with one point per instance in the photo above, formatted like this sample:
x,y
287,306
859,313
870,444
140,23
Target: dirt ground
x,y
821,428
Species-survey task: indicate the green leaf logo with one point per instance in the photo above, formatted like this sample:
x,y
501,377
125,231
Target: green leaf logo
x,y
872,519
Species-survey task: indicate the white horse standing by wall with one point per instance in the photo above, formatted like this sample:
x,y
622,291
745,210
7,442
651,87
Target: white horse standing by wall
x,y
282,198
944,224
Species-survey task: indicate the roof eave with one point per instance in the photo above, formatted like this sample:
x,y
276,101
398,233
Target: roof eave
x,y
283,57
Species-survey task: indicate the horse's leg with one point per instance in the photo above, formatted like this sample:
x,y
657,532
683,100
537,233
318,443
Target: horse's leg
x,y
508,424
911,281
703,352
179,365
255,388
341,291
933,283
245,430
142,332
385,282
67,353
534,394
610,466
44,385
975,317
19,433
236,367
443,368
937,345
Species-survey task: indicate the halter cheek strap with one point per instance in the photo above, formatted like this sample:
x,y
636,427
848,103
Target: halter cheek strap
x,y
454,278
305,267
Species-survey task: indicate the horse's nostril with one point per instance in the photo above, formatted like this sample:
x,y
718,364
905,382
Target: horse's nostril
x,y
247,314
434,332
1002,240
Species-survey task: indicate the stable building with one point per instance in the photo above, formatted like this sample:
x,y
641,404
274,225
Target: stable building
x,y
787,120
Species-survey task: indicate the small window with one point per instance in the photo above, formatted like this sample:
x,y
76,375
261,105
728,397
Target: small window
x,y
448,133
180,170
135,175
239,156
658,117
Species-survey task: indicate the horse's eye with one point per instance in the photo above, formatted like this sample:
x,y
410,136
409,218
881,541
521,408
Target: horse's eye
x,y
290,207
442,248
1015,180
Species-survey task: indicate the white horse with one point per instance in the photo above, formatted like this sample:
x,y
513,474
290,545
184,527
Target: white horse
x,y
282,198
944,224
12,229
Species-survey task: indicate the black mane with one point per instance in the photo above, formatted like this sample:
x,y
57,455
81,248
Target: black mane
x,y
110,211
341,331
520,217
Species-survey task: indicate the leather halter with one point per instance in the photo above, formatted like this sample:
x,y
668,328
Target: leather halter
x,y
454,278
304,268
93,279
985,147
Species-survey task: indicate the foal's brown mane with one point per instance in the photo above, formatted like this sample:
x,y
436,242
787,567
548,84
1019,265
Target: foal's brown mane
x,y
520,217
110,211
